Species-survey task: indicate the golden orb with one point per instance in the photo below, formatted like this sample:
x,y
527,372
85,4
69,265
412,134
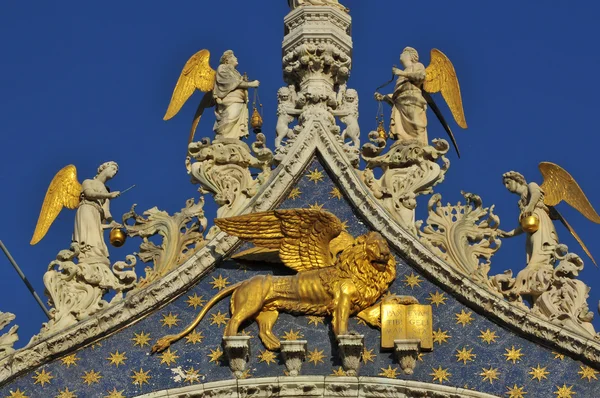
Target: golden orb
x,y
117,237
530,224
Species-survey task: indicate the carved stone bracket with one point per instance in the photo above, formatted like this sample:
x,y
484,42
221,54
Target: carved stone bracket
x,y
222,168
237,351
409,169
8,339
351,347
294,353
464,236
181,237
406,352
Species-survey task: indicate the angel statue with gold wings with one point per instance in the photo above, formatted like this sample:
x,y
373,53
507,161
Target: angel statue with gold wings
x,y
337,275
225,88
537,213
91,199
411,96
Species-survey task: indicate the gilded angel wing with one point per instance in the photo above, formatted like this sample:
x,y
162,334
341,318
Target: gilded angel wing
x,y
559,185
196,74
302,236
64,191
441,76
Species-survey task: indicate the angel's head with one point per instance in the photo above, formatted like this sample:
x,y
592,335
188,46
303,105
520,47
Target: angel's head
x,y
514,182
229,58
409,56
108,169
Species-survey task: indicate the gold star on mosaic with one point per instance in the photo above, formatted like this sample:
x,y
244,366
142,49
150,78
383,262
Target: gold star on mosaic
x,y
292,335
169,320
587,373
70,360
192,376
246,374
316,207
513,354
195,301
488,336
564,391
245,333
389,372
17,394
412,280
344,226
316,320
117,358
490,374
464,318
516,392
267,356
115,394
440,336
294,194
168,357
316,356
42,377
194,337
539,373
220,282
315,176
420,356
465,355
66,394
141,377
440,375
367,355
335,193
437,298
215,355
141,339
96,345
338,372
218,319
558,356
91,377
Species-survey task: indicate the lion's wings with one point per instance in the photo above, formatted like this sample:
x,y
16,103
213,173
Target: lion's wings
x,y
196,74
64,191
302,236
441,76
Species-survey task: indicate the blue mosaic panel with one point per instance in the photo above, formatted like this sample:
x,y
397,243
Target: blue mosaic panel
x,y
469,350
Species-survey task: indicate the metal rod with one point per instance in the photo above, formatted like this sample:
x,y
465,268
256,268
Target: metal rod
x,y
31,289
128,189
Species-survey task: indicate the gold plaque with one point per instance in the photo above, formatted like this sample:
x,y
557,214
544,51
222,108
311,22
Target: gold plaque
x,y
399,321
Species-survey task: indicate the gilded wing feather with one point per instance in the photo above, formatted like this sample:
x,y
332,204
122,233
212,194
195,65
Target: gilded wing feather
x,y
559,185
555,214
64,191
302,236
196,74
441,76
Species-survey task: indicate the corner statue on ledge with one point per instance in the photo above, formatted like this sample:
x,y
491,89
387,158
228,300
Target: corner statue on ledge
x,y
332,3
338,275
225,88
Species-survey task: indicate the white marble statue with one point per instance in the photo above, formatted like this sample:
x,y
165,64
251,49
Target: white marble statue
x,y
332,3
8,339
285,113
409,114
348,113
231,97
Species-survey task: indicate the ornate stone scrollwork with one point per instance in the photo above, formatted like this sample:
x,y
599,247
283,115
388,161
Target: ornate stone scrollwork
x,y
8,339
464,236
181,237
409,169
237,350
76,289
351,347
293,353
222,169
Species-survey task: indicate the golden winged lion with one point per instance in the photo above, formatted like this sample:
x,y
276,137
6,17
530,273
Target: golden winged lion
x,y
337,275
411,96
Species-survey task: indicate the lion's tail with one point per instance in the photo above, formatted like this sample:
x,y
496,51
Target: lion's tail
x,y
164,342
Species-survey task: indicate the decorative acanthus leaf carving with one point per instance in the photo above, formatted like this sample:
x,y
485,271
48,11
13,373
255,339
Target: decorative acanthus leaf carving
x,y
409,169
181,237
464,236
8,339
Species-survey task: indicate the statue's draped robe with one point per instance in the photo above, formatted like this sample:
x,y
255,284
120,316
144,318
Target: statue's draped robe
x,y
232,104
409,117
88,232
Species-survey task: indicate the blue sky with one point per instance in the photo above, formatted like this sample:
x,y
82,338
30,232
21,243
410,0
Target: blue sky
x,y
84,83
